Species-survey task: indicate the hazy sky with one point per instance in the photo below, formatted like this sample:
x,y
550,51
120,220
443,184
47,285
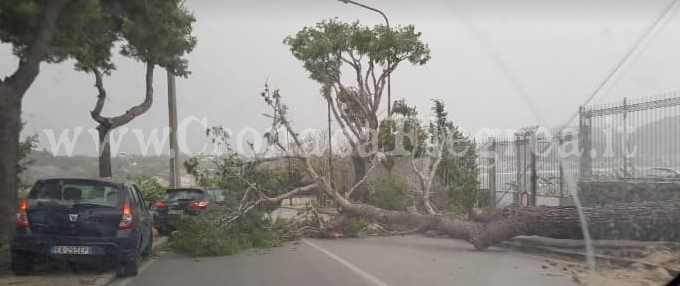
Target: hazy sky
x,y
483,54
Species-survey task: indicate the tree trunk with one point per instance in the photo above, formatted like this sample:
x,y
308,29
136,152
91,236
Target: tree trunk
x,y
107,124
649,221
104,152
359,165
10,128
12,90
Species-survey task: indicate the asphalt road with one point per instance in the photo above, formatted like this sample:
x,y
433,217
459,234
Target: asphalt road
x,y
376,261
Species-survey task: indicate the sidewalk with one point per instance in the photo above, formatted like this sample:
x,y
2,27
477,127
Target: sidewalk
x,y
617,261
48,275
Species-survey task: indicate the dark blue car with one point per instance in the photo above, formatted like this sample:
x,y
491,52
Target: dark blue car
x,y
86,221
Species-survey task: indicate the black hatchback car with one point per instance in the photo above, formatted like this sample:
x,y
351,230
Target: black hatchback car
x,y
183,201
87,221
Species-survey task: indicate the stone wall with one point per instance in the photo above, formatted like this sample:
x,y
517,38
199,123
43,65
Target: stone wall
x,y
599,193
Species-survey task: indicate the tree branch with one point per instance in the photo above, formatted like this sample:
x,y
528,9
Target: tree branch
x,y
29,65
341,121
140,109
374,103
101,99
427,200
355,98
360,182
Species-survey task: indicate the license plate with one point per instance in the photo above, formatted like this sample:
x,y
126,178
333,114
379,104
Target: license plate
x,y
80,250
176,212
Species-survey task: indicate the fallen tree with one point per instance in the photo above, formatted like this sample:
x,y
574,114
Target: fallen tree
x,y
649,221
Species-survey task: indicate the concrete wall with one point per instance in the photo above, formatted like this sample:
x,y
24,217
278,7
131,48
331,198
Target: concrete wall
x,y
599,193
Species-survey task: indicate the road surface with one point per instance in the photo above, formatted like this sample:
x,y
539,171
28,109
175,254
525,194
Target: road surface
x,y
375,261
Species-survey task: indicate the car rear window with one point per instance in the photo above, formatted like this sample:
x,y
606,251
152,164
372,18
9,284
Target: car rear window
x,y
75,192
184,194
217,194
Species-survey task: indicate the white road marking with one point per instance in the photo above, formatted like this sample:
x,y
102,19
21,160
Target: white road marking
x,y
356,270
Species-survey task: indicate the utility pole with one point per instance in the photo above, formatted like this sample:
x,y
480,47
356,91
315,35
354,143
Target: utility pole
x,y
174,151
330,146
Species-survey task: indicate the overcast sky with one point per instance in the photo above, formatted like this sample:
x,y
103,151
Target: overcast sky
x,y
496,64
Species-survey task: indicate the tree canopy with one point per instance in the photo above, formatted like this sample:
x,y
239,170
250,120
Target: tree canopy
x,y
370,53
157,32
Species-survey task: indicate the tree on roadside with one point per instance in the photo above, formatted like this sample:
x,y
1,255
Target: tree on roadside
x,y
85,30
370,54
620,221
451,155
160,35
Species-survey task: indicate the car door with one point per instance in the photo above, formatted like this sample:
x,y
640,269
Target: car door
x,y
148,219
141,215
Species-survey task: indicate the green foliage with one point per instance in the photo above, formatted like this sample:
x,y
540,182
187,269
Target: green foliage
x,y
230,172
458,166
157,32
354,226
462,194
198,236
151,189
25,147
388,192
320,47
404,121
333,46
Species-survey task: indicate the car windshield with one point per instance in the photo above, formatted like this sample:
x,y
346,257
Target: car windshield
x,y
74,194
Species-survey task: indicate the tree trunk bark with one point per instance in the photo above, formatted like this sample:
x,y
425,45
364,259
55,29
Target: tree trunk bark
x,y
649,221
359,166
104,152
10,128
12,90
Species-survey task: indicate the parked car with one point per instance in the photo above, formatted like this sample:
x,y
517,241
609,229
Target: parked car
x,y
217,195
87,221
662,173
182,201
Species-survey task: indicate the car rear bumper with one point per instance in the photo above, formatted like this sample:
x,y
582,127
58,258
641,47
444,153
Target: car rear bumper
x,y
162,220
102,249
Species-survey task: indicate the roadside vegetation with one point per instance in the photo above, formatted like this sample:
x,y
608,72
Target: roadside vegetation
x,y
151,189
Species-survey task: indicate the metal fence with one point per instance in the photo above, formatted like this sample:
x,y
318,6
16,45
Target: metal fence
x,y
547,170
632,139
527,171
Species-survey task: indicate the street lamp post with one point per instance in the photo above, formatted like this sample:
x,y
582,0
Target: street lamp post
x,y
389,32
131,164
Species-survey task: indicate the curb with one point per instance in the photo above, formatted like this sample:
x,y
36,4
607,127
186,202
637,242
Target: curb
x,y
582,256
110,278
161,241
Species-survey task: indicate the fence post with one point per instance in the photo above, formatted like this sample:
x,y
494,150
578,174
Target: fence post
x,y
624,141
534,177
585,144
561,168
492,174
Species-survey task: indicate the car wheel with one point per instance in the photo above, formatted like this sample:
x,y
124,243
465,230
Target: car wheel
x,y
148,248
22,263
128,268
